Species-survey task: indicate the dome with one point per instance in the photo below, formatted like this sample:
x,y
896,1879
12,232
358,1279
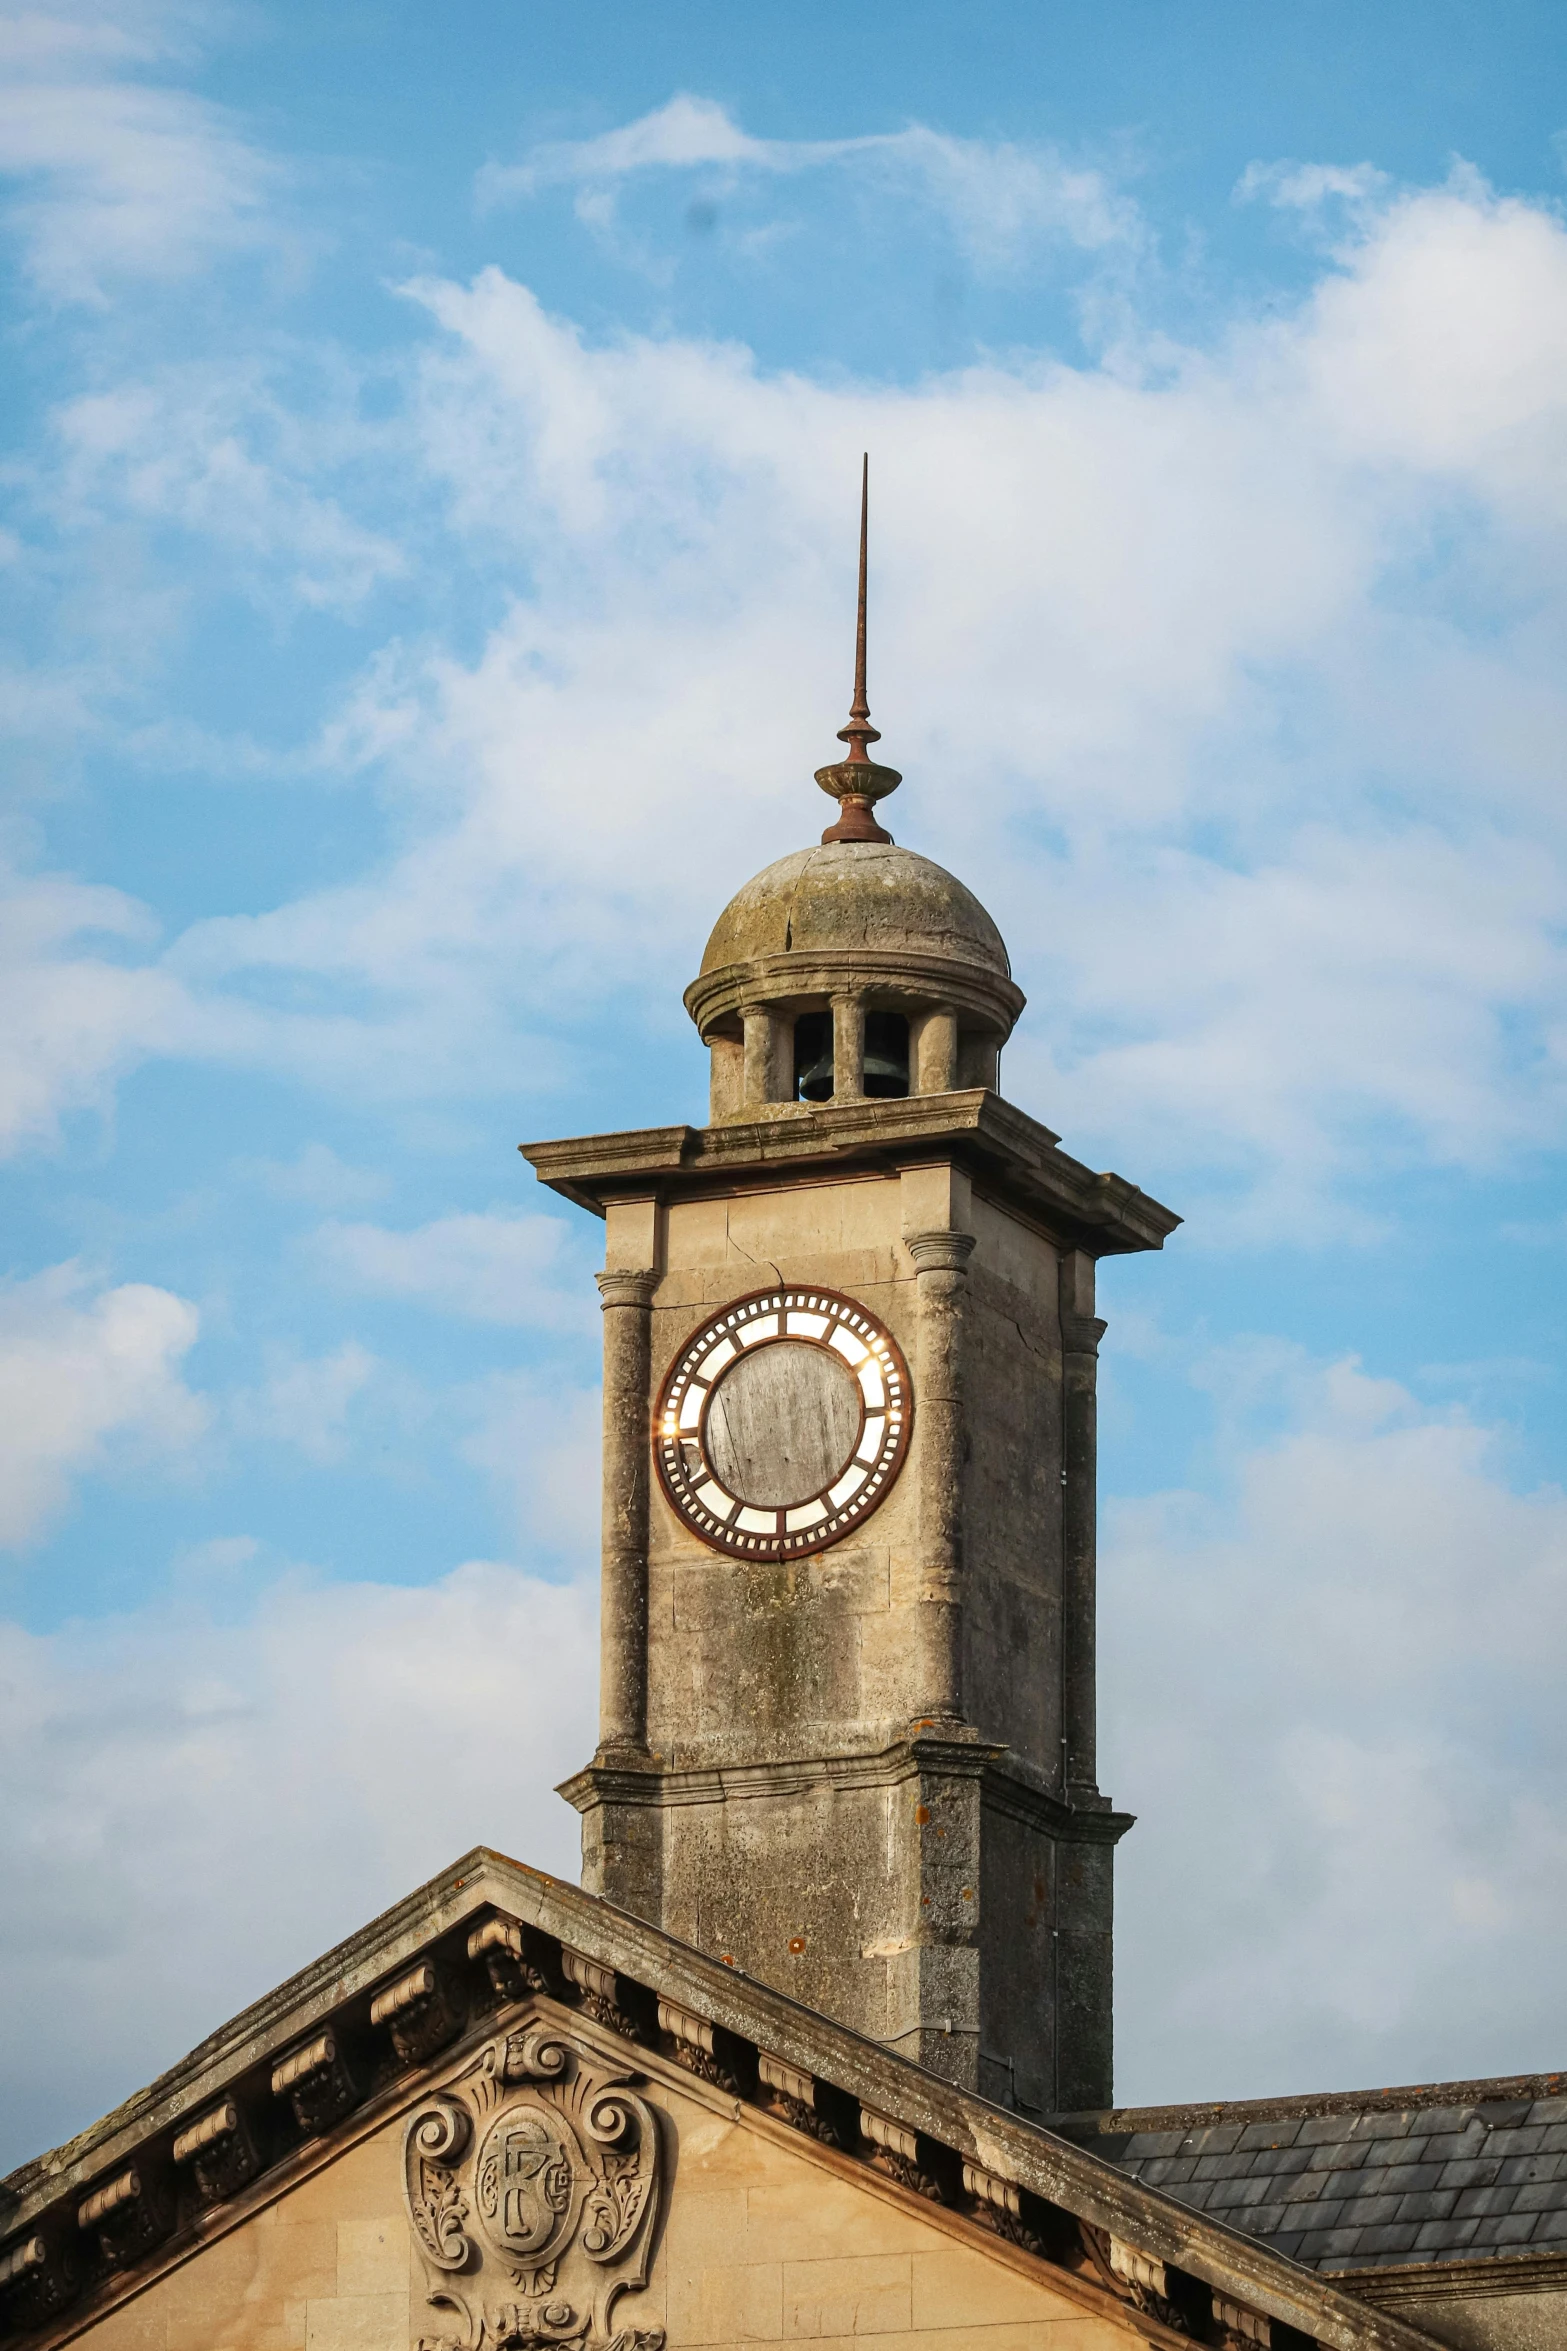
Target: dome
x,y
853,898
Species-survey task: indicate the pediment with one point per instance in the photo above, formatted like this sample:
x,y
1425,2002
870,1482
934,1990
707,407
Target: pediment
x,y
507,2116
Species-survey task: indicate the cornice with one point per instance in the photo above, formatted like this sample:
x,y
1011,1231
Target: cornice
x,y
1020,1159
1008,1785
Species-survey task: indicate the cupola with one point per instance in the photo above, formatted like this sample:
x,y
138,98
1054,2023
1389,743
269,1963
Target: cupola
x,y
855,968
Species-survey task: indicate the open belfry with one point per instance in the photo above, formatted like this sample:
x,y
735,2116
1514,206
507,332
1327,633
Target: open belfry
x,y
821,2049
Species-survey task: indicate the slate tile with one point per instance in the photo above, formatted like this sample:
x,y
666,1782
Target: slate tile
x,y
1270,2134
1437,2119
1531,2139
1453,2146
1539,2196
1216,2138
1502,2113
1502,2228
1541,2166
1171,2171
1445,2236
1323,2216
1410,2179
1264,2219
1288,2242
1215,2167
1230,2195
1318,2129
1427,2204
1340,2154
1549,2110
1271,2163
1480,2171
1371,2212
1393,2237
1483,2203
1305,2188
1392,2123
1339,2245
1153,2143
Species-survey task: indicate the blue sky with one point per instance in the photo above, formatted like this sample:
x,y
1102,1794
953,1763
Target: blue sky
x,y
427,545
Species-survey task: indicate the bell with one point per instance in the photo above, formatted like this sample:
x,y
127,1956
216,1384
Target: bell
x,y
813,1074
886,1054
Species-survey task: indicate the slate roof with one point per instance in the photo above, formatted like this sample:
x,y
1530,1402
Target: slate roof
x,y
1371,2179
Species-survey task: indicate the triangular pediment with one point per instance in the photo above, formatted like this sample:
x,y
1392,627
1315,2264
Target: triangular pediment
x,y
508,2114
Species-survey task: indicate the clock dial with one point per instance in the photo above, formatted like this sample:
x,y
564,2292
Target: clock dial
x,y
782,1426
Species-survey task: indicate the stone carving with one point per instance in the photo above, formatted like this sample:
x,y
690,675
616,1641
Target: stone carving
x,y
317,2083
534,2184
420,2012
220,2151
503,1946
897,2154
690,2040
597,1991
129,2215
1138,2277
791,2095
998,2206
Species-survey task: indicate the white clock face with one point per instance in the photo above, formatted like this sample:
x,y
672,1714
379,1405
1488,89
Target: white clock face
x,y
783,1424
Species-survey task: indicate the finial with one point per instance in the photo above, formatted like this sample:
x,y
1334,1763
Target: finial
x,y
858,781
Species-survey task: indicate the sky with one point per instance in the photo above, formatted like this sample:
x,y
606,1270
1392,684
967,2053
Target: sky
x,y
431,442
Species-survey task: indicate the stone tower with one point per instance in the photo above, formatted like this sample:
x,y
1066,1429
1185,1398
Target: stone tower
x,y
847,1705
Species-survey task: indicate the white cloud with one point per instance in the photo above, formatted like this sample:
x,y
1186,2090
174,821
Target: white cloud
x,y
1228,677
86,1378
1306,187
539,1442
1332,1698
196,1808
75,1018
120,177
493,1268
305,1401
317,1176
1000,199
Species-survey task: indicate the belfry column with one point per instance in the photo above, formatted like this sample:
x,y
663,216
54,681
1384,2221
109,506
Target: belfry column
x,y
1081,1332
941,1266
627,1299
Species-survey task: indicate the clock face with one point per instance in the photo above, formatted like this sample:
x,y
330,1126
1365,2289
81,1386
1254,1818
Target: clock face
x,y
783,1424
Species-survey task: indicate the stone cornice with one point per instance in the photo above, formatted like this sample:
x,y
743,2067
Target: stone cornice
x,y
1017,1157
889,974
1009,1785
496,1912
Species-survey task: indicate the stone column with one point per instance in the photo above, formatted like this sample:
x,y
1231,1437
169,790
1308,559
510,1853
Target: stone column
x,y
628,1341
761,1054
941,1267
1081,1332
848,1048
935,1052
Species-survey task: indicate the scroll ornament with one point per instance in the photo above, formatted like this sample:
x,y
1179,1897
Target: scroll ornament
x,y
534,2183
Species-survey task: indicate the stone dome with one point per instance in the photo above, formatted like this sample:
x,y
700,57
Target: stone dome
x,y
884,950
851,898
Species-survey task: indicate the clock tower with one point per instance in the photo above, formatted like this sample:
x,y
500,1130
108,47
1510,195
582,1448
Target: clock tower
x,y
847,1702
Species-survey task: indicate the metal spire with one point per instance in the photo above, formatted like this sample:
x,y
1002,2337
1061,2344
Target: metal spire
x,y
858,781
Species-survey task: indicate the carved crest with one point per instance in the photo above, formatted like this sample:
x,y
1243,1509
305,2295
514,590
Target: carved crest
x,y
533,2186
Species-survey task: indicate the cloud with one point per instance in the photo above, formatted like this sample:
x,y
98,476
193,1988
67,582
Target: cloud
x,y
539,1441
1231,666
121,177
492,1268
76,1018
196,1808
87,1378
305,1402
1306,187
1000,199
1331,1695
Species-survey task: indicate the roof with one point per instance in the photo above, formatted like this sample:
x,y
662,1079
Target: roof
x,y
1440,2173
1065,2200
